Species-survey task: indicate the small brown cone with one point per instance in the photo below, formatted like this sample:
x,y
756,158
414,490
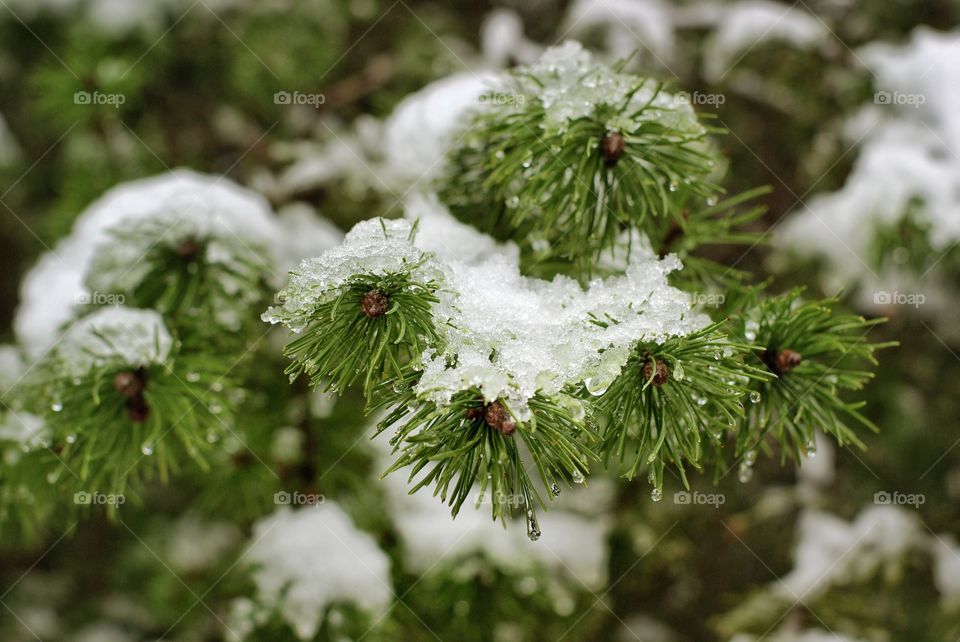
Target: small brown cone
x,y
661,375
374,303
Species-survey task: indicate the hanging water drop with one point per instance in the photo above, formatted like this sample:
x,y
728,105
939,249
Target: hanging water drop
x,y
577,477
711,201
678,373
555,489
533,527
56,406
656,494
146,449
193,377
811,449
596,385
754,396
672,187
717,356
745,474
71,438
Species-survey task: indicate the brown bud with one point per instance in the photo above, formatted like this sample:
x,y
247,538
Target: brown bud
x,y
128,384
137,409
188,249
612,147
781,362
475,413
498,417
374,303
661,375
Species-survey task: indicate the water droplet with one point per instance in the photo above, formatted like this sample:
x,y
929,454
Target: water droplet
x,y
811,449
750,457
702,401
656,494
193,377
533,527
711,201
750,335
678,373
71,438
216,386
147,449
597,385
672,187
513,201
52,477
745,474
212,437
56,406
754,396
555,489
717,356
577,477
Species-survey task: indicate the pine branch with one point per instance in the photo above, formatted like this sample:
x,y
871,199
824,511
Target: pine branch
x,y
373,329
575,186
675,402
470,447
815,355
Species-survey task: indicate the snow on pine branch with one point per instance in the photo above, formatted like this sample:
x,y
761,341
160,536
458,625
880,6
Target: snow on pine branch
x,y
508,335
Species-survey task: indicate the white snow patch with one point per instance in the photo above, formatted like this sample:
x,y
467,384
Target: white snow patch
x,y
307,559
114,336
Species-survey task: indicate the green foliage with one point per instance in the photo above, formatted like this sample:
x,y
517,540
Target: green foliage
x,y
462,453
516,177
676,402
343,343
189,279
829,353
102,439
